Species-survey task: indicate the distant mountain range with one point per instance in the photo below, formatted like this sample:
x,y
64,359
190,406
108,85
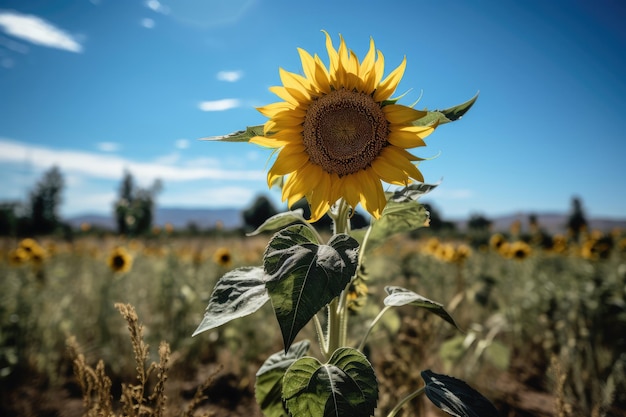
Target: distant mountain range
x,y
232,218
180,218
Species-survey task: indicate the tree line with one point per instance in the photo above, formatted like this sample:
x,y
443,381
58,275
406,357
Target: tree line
x,y
134,208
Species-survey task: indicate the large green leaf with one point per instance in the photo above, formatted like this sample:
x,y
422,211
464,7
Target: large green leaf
x,y
238,136
280,220
399,296
345,386
303,276
455,397
448,115
237,294
397,217
411,192
268,388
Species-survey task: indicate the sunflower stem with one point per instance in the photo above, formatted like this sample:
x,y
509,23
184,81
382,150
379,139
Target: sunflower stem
x,y
337,309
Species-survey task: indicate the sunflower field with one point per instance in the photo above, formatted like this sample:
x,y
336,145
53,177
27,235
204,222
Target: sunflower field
x,y
103,323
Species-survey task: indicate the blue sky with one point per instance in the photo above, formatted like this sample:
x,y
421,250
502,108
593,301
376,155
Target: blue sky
x,y
100,86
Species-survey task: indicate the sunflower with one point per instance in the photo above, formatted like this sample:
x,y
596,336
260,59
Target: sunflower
x,y
339,132
223,257
120,260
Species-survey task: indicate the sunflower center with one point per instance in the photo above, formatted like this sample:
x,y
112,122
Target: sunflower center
x,y
344,131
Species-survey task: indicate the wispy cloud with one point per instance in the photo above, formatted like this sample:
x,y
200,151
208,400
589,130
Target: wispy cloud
x,y
229,76
156,6
182,143
108,146
37,31
102,166
219,105
147,23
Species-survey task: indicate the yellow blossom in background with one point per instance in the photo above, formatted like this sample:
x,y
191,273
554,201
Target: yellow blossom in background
x,y
120,260
496,241
518,250
338,133
18,256
223,257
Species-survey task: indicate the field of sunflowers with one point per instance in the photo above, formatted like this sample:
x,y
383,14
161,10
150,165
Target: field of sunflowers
x,y
83,322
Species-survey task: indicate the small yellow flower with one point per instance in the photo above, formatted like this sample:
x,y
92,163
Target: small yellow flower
x,y
519,250
339,132
18,256
120,260
223,257
496,241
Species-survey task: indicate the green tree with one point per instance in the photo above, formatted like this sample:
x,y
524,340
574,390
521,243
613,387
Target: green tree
x,y
134,208
44,202
577,222
260,210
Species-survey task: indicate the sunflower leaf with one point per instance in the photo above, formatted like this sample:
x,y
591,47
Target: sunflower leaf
x,y
280,220
268,388
412,192
448,115
344,386
398,217
304,276
237,294
455,397
238,136
399,296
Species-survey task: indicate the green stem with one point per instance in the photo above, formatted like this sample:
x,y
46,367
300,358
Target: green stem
x,y
405,400
337,311
371,326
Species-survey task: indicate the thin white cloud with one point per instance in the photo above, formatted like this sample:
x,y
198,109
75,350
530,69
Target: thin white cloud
x,y
103,166
147,23
108,146
156,6
182,143
219,105
38,31
229,76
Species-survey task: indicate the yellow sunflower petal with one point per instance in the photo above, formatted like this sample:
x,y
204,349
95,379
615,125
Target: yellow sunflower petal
x,y
397,113
298,86
388,85
270,110
389,171
289,159
319,198
269,142
400,158
372,194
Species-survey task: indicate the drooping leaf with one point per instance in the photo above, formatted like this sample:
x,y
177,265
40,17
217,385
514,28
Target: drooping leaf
x,y
455,397
399,296
237,294
345,386
238,136
397,217
268,388
448,115
280,220
304,276
411,192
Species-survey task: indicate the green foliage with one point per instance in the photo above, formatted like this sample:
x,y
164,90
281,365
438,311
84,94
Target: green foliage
x,y
258,213
399,296
237,294
455,397
269,379
304,276
44,202
134,208
344,386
